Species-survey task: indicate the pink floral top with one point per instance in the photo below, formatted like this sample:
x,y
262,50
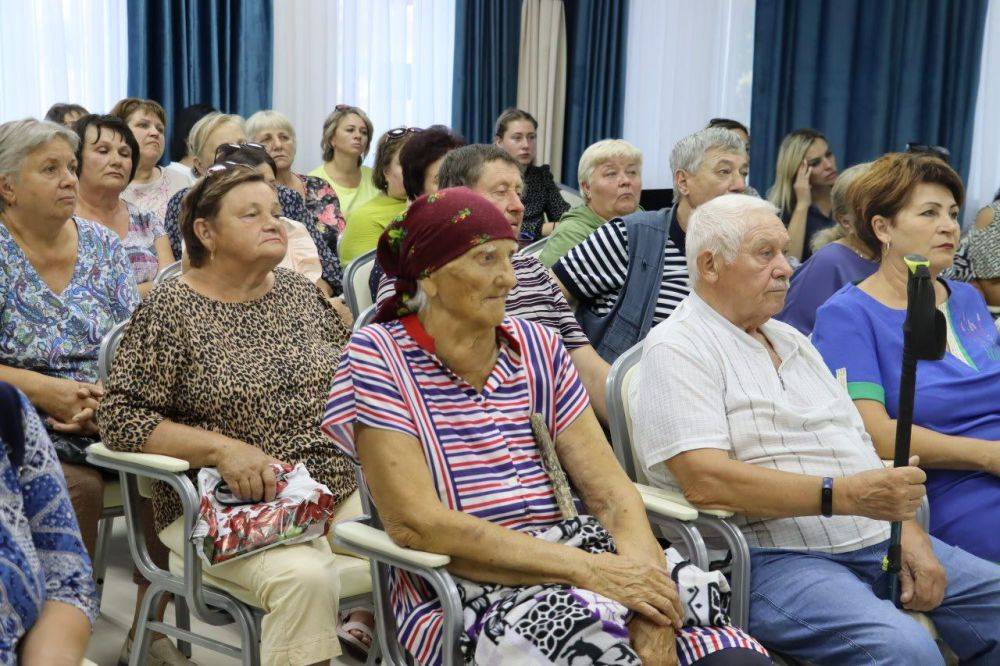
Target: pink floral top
x,y
154,195
324,204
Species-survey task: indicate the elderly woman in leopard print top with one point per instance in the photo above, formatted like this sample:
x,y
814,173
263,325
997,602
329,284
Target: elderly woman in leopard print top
x,y
229,367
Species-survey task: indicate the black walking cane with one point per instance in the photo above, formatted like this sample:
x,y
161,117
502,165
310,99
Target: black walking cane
x,y
924,339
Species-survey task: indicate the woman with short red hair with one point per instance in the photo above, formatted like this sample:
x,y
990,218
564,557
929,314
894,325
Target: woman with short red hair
x,y
908,204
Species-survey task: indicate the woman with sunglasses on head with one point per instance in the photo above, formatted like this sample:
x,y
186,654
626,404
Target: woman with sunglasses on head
x,y
804,174
274,131
266,343
347,136
107,159
367,222
297,218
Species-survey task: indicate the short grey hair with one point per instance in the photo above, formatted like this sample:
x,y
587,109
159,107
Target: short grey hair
x,y
463,167
689,152
20,138
719,226
268,119
598,153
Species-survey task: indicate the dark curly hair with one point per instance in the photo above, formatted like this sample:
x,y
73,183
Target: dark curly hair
x,y
422,150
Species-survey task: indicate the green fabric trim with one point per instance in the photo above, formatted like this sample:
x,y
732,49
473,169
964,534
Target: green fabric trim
x,y
866,391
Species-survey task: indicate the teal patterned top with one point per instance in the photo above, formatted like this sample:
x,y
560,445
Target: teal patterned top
x,y
60,334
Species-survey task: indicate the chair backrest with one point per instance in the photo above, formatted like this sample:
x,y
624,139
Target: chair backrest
x,y
570,196
366,317
109,346
621,375
169,273
105,358
356,291
535,248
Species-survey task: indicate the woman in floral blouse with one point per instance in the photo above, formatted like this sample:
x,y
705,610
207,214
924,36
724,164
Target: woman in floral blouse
x,y
274,131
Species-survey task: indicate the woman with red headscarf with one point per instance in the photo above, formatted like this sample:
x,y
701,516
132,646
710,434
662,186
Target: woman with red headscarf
x,y
441,393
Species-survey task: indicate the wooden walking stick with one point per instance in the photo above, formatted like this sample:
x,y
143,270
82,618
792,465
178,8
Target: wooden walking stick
x,y
552,467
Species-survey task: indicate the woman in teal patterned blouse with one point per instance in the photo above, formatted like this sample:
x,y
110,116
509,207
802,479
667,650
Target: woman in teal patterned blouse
x,y
64,283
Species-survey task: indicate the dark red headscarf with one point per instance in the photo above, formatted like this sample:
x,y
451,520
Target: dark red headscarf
x,y
435,230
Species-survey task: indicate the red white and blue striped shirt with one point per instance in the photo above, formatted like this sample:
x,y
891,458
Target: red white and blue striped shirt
x,y
478,446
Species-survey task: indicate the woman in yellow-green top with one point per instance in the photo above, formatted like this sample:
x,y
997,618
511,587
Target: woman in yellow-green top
x,y
610,177
347,133
367,222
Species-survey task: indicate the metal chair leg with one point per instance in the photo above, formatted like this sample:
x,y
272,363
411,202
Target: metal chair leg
x,y
182,615
140,644
249,634
104,529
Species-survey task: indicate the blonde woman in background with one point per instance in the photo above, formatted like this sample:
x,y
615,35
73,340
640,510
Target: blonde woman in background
x,y
803,177
347,137
839,257
204,138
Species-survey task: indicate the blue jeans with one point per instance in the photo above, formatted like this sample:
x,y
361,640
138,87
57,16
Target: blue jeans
x,y
823,608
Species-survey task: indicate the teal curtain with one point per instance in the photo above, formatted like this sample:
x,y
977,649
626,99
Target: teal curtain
x,y
215,52
487,46
870,75
595,76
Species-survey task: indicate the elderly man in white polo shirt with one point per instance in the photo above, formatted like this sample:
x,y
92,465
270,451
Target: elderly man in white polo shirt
x,y
739,412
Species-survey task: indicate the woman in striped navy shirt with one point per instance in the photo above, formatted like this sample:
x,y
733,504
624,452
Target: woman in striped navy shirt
x,y
440,393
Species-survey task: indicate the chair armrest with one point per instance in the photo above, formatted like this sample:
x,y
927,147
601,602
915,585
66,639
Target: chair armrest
x,y
367,538
677,499
665,503
152,460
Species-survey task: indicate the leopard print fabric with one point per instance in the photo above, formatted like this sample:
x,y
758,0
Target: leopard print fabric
x,y
258,372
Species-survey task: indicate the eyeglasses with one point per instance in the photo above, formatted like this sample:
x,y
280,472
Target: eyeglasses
x,y
397,132
227,149
939,151
345,107
218,168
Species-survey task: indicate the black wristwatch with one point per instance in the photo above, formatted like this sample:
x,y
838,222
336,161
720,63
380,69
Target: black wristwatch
x,y
826,499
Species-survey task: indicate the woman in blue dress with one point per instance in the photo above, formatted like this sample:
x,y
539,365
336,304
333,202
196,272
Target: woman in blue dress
x,y
908,204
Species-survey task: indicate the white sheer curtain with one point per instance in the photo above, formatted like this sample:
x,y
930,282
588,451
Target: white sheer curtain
x,y
984,167
392,58
61,51
688,61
